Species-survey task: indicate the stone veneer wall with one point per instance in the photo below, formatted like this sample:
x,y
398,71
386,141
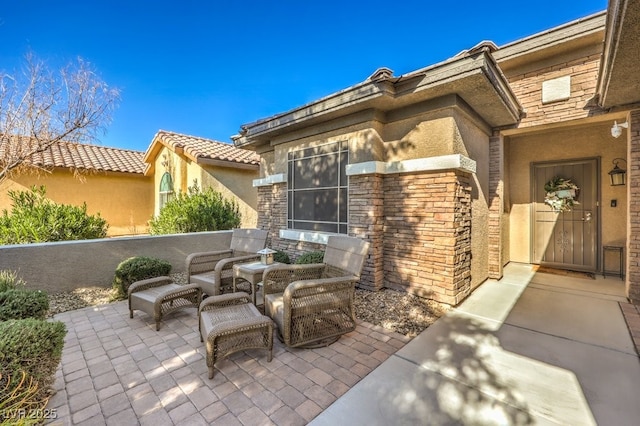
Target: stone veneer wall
x,y
366,221
496,205
265,210
528,89
418,224
633,216
427,234
272,216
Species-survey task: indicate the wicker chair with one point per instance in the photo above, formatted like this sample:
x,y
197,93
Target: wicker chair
x,y
312,305
212,271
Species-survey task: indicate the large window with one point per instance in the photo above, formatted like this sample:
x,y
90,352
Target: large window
x,y
317,188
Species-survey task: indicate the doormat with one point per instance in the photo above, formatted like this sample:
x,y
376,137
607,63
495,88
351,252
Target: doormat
x,y
565,272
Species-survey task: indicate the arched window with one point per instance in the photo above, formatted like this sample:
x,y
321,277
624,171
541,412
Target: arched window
x,y
166,189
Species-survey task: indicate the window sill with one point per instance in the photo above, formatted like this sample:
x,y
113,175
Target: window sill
x,y
306,236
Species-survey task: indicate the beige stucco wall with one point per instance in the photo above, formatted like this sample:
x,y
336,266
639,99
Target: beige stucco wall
x,y
232,183
235,183
124,200
167,161
365,144
562,144
426,135
428,132
475,145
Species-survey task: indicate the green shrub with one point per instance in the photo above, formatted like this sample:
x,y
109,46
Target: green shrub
x,y
136,269
197,211
36,219
10,280
282,257
311,257
32,346
20,395
22,303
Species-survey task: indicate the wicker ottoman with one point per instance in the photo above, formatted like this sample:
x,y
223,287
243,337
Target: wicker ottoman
x,y
160,296
230,323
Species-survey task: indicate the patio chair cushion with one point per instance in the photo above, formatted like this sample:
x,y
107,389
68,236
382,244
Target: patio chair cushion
x,y
275,308
207,282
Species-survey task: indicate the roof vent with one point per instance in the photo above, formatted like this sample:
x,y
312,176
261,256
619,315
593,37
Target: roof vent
x,y
484,45
381,74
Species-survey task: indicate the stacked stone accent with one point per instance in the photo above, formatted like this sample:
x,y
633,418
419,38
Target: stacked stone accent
x,y
427,234
528,89
265,209
272,216
496,205
633,214
418,224
366,221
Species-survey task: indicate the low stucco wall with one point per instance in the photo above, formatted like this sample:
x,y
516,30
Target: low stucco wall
x,y
65,266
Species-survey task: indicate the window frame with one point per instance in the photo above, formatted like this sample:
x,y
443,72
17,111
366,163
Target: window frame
x,y
342,184
165,191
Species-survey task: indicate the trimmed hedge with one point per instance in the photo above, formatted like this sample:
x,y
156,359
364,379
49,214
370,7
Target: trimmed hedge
x,y
21,304
282,257
32,346
138,268
311,257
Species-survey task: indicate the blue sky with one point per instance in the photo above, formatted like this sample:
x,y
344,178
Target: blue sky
x,y
206,67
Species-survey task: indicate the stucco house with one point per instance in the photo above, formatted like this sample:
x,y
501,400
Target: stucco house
x,y
175,162
129,187
112,183
444,169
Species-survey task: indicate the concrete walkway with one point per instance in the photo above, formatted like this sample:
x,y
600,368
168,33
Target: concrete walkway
x,y
532,348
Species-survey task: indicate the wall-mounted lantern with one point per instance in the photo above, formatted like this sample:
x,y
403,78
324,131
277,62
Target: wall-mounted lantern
x,y
618,175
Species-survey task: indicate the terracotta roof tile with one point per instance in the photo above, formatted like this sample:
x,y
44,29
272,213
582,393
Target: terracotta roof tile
x,y
197,147
90,157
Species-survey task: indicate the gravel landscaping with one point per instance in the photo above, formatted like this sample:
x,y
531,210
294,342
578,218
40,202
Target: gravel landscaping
x,y
397,311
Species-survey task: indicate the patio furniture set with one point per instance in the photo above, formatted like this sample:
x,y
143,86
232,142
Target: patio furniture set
x,y
311,305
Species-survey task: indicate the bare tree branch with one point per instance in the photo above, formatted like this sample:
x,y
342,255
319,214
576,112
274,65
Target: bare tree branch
x,y
40,108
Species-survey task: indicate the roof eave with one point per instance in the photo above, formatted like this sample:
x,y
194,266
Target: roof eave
x,y
618,77
352,96
156,145
475,78
228,164
584,31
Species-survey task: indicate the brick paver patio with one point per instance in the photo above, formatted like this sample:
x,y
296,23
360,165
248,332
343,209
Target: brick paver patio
x,y
116,370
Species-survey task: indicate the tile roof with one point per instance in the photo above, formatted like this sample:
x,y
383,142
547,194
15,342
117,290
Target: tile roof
x,y
197,147
90,157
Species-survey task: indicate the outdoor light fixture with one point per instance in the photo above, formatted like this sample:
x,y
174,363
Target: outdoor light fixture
x,y
617,174
616,130
266,256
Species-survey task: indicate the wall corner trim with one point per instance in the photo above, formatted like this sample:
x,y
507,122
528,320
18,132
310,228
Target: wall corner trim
x,y
443,162
270,180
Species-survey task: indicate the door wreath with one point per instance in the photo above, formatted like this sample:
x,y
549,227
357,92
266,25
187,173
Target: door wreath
x,y
561,194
